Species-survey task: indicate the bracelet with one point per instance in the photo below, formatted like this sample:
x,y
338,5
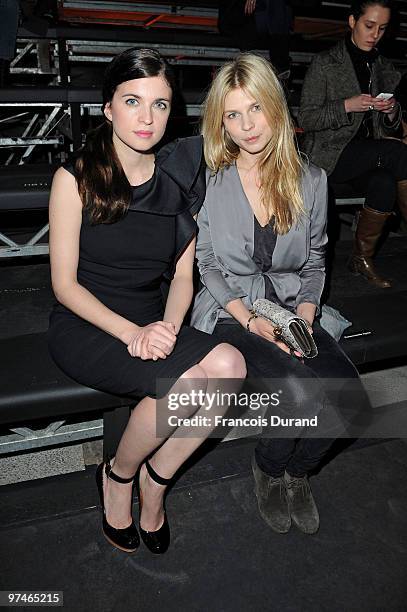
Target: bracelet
x,y
278,333
253,315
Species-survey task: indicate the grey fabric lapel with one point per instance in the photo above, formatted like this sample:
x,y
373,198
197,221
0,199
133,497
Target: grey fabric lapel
x,y
232,216
345,78
285,256
235,218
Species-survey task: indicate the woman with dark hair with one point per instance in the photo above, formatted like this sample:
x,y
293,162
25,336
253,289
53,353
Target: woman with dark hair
x,y
346,122
121,229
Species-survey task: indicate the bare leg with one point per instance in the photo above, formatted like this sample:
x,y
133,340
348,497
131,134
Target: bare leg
x,y
139,440
178,447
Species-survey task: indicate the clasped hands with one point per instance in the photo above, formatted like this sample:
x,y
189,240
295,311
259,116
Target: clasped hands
x,y
364,102
153,341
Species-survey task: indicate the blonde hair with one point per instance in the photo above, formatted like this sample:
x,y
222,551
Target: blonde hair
x,y
280,166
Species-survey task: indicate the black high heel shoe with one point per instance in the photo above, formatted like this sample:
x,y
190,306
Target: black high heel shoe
x,y
126,539
158,541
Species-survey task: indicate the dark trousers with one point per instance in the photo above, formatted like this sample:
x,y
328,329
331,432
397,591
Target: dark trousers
x,y
301,382
373,167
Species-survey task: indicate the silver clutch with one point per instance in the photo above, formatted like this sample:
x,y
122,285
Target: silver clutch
x,y
289,328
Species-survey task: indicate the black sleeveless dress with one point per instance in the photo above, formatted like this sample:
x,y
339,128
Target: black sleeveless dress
x,y
127,265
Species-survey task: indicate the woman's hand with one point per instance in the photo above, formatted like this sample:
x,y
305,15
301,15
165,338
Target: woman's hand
x,y
308,322
265,329
153,341
307,311
386,106
360,103
249,7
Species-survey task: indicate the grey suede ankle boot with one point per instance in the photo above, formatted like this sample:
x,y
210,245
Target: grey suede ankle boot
x,y
272,499
303,509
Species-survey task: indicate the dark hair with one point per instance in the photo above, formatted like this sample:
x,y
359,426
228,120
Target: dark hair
x,y
358,7
102,184
134,64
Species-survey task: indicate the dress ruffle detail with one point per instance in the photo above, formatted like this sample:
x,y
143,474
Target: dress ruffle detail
x,y
178,183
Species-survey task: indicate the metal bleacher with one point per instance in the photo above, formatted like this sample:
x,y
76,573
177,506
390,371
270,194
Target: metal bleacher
x,y
88,33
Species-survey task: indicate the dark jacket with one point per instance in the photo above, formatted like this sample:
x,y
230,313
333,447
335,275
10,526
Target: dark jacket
x,y
331,79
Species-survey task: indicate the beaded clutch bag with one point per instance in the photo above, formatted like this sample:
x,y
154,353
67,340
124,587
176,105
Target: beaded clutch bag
x,y
288,327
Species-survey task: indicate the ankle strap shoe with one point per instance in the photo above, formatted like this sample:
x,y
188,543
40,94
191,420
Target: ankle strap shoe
x,y
157,541
126,539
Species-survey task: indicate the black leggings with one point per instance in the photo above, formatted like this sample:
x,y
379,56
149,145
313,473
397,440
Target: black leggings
x,y
265,360
373,167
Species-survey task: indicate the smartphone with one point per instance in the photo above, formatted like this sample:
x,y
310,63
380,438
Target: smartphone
x,y
384,96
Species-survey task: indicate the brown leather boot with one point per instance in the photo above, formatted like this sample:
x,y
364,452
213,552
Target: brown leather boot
x,y
368,231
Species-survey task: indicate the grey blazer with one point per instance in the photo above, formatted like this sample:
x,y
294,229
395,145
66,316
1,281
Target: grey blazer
x,y
225,247
331,78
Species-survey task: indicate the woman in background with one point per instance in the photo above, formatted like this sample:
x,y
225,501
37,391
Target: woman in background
x,y
346,124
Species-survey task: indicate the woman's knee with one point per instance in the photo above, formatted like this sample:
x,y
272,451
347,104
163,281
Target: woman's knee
x,y
224,361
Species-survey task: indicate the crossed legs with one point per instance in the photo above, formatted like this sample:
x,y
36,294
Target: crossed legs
x,y
140,439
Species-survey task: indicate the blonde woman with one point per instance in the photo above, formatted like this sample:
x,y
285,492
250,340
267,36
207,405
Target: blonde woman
x,y
262,233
